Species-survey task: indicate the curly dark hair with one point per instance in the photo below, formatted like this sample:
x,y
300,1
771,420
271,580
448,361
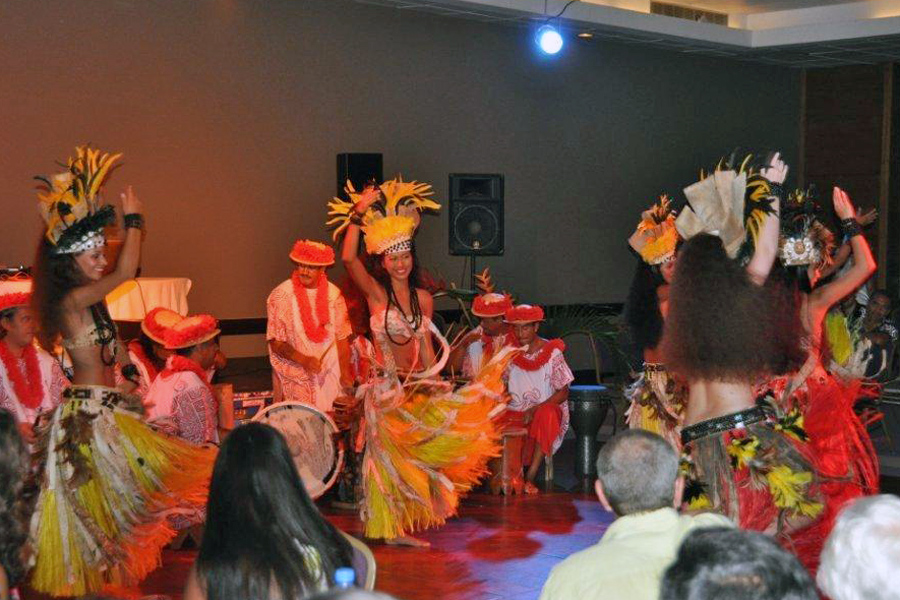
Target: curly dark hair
x,y
375,266
723,327
642,314
149,348
55,275
13,466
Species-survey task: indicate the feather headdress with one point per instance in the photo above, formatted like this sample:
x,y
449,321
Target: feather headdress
x,y
656,237
70,203
731,204
804,239
390,223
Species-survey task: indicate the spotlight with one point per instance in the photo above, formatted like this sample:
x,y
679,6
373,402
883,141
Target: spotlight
x,y
548,39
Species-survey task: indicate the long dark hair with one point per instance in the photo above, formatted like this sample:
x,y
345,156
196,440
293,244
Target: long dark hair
x,y
721,325
376,268
13,466
258,517
55,275
642,314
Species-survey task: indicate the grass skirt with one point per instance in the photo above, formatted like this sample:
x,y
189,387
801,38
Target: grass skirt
x,y
106,479
755,467
426,445
657,404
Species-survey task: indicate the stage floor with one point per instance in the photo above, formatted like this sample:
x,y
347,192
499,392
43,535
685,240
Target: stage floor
x,y
496,548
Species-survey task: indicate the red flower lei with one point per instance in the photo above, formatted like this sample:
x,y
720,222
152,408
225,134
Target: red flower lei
x,y
135,348
29,388
487,343
315,333
183,364
542,356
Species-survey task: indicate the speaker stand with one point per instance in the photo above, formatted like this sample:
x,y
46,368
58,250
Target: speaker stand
x,y
472,272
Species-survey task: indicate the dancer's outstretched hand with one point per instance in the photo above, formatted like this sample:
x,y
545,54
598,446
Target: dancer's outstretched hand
x,y
868,217
131,203
842,205
367,198
776,171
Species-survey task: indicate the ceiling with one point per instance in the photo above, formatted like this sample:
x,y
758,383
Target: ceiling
x,y
811,33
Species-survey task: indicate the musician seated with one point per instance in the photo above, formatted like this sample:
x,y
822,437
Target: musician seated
x,y
538,384
181,398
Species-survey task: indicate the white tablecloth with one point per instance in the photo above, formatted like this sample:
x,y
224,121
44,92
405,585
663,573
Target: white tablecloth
x,y
135,298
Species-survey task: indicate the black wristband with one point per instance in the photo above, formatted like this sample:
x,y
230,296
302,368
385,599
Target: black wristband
x,y
134,221
776,189
851,227
130,372
356,218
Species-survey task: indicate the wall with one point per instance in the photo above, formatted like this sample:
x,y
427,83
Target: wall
x,y
230,113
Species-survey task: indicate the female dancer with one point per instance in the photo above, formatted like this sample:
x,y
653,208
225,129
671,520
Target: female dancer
x,y
657,398
425,443
845,458
105,475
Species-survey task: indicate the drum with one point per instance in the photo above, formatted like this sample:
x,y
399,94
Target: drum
x,y
310,437
588,406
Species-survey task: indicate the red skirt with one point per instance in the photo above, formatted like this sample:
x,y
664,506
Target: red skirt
x,y
542,431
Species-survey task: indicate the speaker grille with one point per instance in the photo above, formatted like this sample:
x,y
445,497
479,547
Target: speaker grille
x,y
476,215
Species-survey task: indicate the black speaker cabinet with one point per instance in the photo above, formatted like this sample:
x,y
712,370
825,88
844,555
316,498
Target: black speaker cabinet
x,y
476,215
359,168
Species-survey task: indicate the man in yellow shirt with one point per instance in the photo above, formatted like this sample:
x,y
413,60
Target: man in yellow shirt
x,y
638,481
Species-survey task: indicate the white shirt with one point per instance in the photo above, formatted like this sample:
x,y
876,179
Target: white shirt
x,y
530,388
297,384
184,403
53,382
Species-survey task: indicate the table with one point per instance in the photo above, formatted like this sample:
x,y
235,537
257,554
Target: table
x,y
132,300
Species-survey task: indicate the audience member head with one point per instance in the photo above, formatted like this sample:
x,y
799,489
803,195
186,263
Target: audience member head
x,y
723,327
637,471
879,307
261,524
861,559
739,565
13,466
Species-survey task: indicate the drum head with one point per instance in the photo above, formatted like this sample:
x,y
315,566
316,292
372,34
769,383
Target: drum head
x,y
308,433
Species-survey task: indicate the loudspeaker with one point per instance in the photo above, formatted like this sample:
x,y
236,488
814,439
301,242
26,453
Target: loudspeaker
x,y
359,168
476,215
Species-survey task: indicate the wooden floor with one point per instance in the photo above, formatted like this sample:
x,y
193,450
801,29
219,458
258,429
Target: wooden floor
x,y
496,548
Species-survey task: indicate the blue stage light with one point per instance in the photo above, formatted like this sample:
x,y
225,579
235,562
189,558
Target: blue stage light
x,y
548,39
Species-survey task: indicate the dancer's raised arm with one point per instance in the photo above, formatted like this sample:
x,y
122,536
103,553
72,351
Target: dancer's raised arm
x,y
825,296
350,248
767,244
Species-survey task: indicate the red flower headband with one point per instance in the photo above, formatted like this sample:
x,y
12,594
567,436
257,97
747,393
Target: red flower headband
x,y
491,305
191,331
316,254
524,313
14,299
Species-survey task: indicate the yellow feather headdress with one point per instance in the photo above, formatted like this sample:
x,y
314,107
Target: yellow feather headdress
x,y
70,204
390,223
731,204
656,237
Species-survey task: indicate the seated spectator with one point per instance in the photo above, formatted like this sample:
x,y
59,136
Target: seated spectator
x,y
13,467
264,537
637,480
875,326
861,559
737,565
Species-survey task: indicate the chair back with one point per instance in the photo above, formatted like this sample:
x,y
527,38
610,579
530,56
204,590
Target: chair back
x,y
371,567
